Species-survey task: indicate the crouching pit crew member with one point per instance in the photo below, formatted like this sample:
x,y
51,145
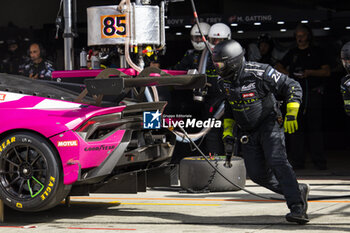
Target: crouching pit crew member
x,y
345,82
250,89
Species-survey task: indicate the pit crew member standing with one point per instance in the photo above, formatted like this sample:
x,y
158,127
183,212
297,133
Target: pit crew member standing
x,y
192,56
308,65
345,82
250,90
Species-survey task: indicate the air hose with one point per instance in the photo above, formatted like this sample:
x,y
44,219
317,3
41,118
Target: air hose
x,y
235,185
244,189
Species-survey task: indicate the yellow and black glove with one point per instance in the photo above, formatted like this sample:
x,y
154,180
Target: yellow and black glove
x,y
228,128
290,121
227,136
347,107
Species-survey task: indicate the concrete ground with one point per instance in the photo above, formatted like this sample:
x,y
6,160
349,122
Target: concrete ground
x,y
168,210
171,211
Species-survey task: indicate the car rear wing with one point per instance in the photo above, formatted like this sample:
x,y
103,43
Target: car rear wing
x,y
116,86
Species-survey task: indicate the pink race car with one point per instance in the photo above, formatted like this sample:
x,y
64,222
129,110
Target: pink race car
x,y
52,147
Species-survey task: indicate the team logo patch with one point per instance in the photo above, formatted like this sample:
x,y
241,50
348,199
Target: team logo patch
x,y
248,87
2,97
247,95
151,120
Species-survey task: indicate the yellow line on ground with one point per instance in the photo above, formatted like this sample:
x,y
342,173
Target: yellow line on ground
x,y
196,199
179,204
92,202
120,203
169,199
331,201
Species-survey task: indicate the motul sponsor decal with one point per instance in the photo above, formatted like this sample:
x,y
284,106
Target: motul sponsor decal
x,y
2,97
67,143
247,95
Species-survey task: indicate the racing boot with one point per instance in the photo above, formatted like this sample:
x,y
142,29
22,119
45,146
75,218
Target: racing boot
x,y
304,191
298,211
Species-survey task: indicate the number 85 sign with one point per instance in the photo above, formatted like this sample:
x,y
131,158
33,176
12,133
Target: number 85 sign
x,y
113,26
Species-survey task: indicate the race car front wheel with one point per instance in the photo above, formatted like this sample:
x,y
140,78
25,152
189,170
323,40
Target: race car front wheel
x,y
30,173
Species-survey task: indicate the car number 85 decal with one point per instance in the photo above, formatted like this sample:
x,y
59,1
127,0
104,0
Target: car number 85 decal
x,y
113,26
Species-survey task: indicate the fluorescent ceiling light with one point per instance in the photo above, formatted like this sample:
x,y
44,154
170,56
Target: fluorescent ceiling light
x,y
234,24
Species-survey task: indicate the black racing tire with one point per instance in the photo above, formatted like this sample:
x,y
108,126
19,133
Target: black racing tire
x,y
197,175
31,174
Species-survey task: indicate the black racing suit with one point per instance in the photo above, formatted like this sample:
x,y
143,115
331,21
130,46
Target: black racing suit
x,y
251,103
190,60
345,90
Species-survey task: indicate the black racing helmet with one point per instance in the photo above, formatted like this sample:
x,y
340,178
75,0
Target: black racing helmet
x,y
345,56
228,57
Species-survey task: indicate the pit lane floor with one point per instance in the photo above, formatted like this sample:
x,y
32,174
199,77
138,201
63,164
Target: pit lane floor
x,y
171,211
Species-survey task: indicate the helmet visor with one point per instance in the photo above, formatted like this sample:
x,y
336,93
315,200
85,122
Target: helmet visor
x,y
197,39
230,67
215,41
